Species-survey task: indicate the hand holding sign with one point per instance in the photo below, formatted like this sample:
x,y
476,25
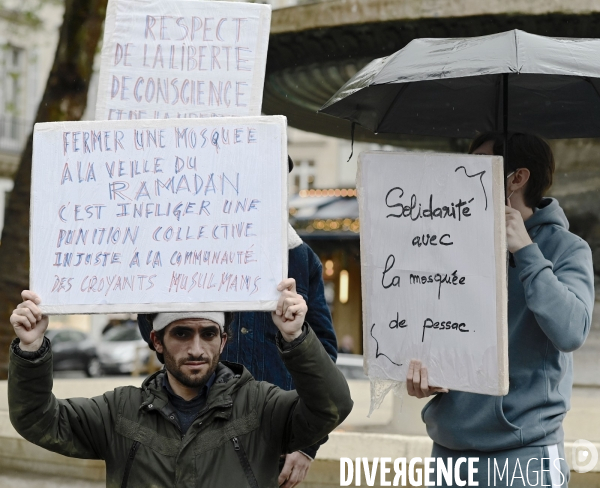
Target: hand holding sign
x,y
291,310
28,322
417,381
516,233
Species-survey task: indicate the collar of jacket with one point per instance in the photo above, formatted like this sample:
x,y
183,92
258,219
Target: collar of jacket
x,y
294,239
229,378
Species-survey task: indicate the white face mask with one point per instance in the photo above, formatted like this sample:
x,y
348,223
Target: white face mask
x,y
508,198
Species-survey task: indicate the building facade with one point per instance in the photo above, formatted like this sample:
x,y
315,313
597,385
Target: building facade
x,y
28,38
324,211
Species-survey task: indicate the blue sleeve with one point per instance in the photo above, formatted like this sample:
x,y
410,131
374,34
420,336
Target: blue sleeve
x,y
318,316
560,295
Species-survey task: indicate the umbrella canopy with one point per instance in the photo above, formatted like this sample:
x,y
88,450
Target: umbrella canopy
x,y
455,88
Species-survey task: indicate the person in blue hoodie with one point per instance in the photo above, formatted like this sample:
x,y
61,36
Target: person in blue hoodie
x,y
550,302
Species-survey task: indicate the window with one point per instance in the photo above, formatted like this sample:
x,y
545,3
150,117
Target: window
x,y
11,94
6,186
304,175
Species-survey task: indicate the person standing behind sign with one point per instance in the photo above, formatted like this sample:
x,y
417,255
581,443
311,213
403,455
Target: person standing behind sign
x,y
550,302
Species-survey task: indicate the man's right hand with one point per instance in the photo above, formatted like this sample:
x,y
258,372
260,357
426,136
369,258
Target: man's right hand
x,y
291,310
28,322
417,381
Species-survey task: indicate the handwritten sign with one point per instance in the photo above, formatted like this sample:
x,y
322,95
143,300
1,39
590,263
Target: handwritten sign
x,y
182,58
434,268
142,216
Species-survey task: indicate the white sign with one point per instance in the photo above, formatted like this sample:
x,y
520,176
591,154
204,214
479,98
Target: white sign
x,y
182,58
434,268
142,216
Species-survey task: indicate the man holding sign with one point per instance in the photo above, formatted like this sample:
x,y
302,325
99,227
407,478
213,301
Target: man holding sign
x,y
199,421
550,301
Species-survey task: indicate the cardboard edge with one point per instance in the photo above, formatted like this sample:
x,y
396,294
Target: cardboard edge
x,y
258,80
265,306
500,253
109,29
32,204
363,259
285,207
142,123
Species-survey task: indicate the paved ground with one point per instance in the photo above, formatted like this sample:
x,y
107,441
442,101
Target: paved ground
x,y
25,480
587,359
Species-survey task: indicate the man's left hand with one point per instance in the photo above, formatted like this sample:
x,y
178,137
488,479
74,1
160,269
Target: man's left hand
x,y
290,312
516,233
294,470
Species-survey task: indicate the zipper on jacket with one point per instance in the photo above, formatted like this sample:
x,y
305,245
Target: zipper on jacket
x,y
243,458
130,458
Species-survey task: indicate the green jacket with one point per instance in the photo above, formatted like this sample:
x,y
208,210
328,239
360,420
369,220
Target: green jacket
x,y
235,441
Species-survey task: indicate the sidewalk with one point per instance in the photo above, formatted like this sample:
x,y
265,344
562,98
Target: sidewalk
x,y
19,479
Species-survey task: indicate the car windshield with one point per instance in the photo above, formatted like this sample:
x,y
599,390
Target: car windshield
x,y
120,334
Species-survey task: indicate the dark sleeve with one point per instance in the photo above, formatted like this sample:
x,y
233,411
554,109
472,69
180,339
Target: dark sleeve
x,y
322,396
77,427
318,315
311,451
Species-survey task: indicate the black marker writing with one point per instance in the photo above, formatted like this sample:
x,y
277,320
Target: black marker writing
x,y
414,210
480,174
444,325
389,264
377,353
438,278
397,323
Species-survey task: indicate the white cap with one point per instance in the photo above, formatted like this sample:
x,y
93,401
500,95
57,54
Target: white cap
x,y
164,319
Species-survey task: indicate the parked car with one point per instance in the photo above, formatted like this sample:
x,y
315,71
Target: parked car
x,y
73,350
122,350
351,366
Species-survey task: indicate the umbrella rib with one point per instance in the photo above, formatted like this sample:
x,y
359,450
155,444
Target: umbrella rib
x,y
404,86
501,83
497,115
516,50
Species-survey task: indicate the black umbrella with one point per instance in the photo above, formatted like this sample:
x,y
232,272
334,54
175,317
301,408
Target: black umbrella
x,y
511,82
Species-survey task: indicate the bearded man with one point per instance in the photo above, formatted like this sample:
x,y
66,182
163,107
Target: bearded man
x,y
198,422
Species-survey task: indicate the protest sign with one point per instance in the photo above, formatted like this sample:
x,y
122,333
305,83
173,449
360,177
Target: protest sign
x,y
142,216
433,258
182,58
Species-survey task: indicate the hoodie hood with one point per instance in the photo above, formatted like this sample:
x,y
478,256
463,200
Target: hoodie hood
x,y
548,213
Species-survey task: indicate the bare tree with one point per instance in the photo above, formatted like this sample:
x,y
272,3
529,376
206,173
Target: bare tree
x,y
65,98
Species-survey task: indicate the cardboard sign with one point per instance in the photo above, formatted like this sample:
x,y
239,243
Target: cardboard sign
x,y
159,215
433,259
182,58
